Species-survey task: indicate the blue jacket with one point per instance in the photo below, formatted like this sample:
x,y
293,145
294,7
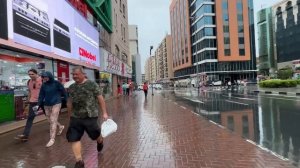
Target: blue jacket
x,y
52,92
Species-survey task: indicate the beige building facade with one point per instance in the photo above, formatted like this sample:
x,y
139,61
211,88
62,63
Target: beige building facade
x,y
163,55
120,35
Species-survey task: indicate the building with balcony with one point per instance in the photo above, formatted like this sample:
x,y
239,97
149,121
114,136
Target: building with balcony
x,y
164,62
222,39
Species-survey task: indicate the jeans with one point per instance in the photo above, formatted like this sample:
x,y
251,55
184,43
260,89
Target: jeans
x,y
30,119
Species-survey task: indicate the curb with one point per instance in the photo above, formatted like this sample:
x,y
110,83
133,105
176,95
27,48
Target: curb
x,y
14,125
274,92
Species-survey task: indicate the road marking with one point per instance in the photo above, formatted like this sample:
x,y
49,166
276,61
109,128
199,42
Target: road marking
x,y
183,107
193,100
236,102
240,98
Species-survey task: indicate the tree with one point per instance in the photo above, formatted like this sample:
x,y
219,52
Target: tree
x,y
285,73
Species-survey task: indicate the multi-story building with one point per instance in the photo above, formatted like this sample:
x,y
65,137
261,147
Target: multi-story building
x,y
181,43
265,42
286,20
164,62
222,38
143,78
147,69
119,39
134,53
153,69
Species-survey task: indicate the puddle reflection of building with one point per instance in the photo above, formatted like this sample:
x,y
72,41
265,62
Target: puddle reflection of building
x,y
279,124
289,127
241,122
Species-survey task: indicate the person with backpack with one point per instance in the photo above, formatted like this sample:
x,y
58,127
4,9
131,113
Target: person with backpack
x,y
51,95
34,85
145,89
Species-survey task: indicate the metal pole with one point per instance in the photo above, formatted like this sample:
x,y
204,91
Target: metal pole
x,y
151,47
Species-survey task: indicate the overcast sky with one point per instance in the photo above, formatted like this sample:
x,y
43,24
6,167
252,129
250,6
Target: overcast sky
x,y
153,21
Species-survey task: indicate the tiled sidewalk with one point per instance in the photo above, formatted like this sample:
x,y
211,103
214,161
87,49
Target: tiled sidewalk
x,y
151,133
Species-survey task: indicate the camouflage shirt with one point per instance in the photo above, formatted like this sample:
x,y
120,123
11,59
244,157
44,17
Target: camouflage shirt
x,y
84,99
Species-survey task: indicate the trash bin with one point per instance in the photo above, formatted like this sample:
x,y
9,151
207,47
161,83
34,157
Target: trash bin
x,y
7,111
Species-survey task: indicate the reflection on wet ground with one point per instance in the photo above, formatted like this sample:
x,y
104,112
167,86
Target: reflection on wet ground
x,y
270,121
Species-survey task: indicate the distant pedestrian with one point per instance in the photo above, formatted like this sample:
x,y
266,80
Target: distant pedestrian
x,y
34,85
119,90
131,88
127,89
145,89
124,88
83,107
52,95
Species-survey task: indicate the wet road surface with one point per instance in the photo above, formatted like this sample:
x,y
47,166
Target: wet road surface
x,y
271,121
155,133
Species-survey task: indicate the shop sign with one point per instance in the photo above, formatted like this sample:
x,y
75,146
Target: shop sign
x,y
54,26
113,64
128,73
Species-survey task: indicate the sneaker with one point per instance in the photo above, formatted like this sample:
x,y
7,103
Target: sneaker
x,y
79,164
22,138
50,143
60,130
100,146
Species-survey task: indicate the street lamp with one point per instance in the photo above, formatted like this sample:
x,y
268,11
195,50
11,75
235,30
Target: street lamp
x,y
151,47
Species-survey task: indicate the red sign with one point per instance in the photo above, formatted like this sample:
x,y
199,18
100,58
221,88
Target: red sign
x,y
80,6
63,71
84,53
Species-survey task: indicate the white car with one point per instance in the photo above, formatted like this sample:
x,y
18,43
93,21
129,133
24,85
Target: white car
x,y
217,83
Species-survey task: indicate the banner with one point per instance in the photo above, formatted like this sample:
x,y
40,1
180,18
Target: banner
x,y
53,26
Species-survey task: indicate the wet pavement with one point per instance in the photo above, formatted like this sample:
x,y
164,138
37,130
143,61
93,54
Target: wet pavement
x,y
271,121
160,132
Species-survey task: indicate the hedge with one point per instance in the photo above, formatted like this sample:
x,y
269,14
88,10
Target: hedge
x,y
277,83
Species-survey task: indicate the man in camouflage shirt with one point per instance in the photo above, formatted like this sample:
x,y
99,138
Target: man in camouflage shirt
x,y
85,98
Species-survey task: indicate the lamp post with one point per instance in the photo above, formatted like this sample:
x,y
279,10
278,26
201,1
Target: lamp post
x,y
151,47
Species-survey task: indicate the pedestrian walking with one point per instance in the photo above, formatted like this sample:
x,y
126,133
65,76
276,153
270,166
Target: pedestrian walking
x,y
128,89
84,102
52,95
131,88
145,89
124,88
34,85
119,90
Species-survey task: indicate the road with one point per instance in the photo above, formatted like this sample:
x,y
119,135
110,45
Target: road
x,y
270,121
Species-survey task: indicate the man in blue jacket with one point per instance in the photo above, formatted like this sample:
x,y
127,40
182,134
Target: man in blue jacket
x,y
52,94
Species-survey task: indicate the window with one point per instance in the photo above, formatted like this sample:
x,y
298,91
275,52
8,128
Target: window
x,y
241,40
227,52
124,11
226,40
240,17
239,6
242,52
241,28
225,17
226,29
225,5
121,6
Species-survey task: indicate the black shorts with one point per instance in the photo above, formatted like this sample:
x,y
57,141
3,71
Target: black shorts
x,y
77,127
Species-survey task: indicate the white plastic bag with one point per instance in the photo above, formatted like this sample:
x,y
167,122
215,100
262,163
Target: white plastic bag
x,y
108,127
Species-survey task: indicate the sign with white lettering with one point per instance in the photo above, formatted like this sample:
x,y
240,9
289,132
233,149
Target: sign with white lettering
x,y
53,26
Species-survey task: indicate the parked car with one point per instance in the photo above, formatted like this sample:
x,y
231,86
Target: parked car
x,y
140,87
217,83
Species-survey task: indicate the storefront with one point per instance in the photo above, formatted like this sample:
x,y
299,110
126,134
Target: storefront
x,y
120,72
26,42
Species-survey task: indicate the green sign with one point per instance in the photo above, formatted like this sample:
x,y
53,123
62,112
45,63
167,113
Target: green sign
x,y
102,9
